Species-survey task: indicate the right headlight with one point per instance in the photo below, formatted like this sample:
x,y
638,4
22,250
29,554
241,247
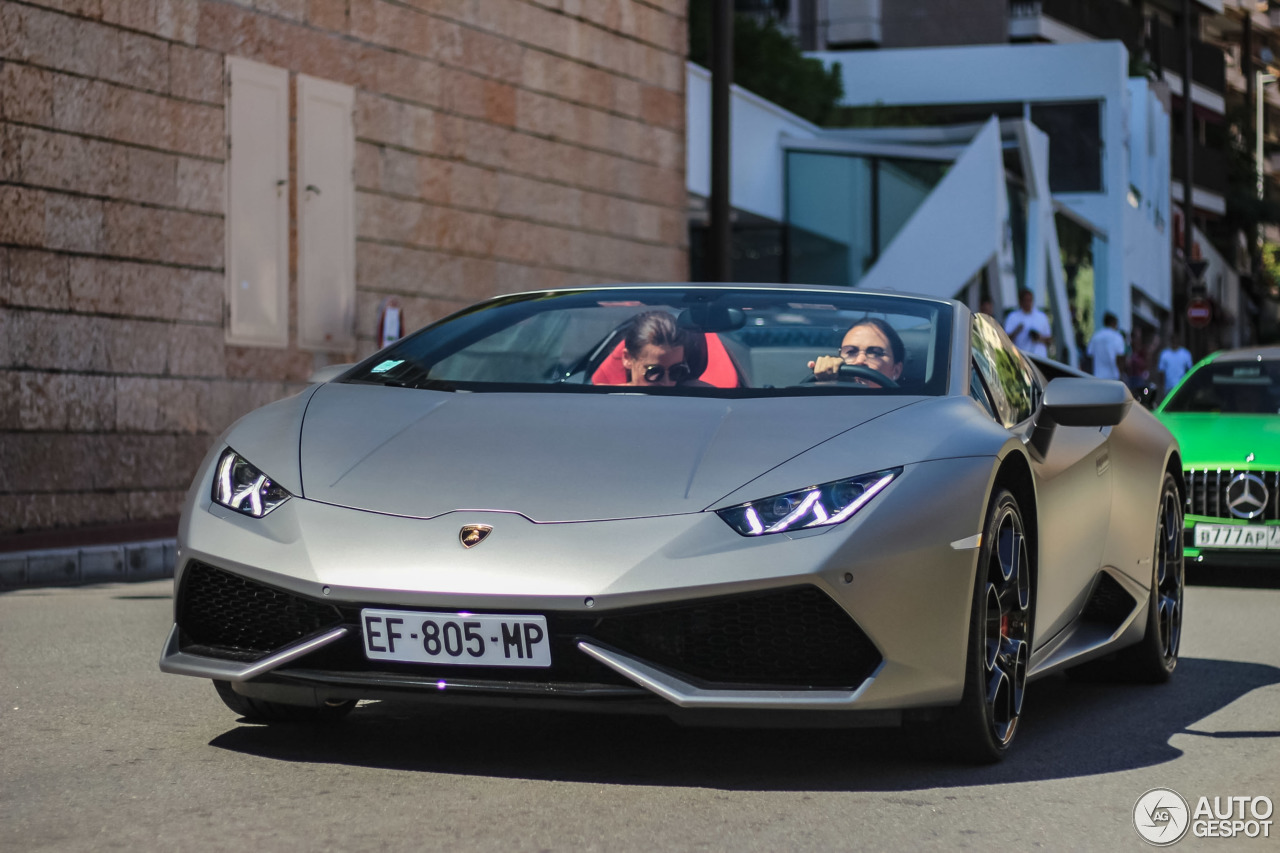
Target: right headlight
x,y
817,506
239,486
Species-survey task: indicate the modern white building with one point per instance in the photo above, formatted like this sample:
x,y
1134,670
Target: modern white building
x,y
969,200
1109,144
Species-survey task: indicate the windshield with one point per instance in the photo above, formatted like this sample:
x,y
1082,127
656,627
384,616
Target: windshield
x,y
692,341
1230,387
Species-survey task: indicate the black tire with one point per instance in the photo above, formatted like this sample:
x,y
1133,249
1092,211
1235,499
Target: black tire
x,y
1154,658
262,711
980,729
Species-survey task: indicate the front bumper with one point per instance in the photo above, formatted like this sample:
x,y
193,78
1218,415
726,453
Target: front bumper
x,y
723,652
675,612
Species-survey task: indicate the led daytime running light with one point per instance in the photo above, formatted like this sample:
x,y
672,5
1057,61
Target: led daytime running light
x,y
874,489
818,506
240,486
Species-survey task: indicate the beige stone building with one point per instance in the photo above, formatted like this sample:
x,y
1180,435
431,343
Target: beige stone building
x,y
201,201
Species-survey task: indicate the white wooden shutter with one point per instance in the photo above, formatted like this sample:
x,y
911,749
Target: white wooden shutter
x,y
257,227
326,218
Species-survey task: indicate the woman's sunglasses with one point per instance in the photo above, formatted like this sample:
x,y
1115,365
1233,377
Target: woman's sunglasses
x,y
872,352
678,372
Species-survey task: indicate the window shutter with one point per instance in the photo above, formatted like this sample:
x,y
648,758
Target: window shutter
x,y
326,218
257,228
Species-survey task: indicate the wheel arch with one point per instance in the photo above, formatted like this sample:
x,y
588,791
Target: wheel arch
x,y
1015,475
1174,466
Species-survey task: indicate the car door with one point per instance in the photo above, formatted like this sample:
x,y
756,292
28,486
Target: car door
x,y
1073,480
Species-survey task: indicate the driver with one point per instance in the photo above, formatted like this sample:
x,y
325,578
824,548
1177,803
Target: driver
x,y
871,343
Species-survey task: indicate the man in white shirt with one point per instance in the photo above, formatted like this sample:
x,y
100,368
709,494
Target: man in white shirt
x,y
1175,361
1028,327
1107,349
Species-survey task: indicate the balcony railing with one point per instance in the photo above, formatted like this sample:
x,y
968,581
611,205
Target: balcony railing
x,y
1210,165
1107,20
1208,64
1110,20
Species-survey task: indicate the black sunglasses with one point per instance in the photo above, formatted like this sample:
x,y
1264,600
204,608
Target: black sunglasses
x,y
678,372
872,352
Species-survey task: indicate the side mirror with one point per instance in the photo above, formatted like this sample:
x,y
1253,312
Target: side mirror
x,y
1086,402
328,373
1078,402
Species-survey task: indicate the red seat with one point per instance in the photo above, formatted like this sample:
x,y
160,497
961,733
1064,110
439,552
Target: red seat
x,y
720,371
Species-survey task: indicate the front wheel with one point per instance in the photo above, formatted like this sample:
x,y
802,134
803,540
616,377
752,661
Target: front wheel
x,y
982,726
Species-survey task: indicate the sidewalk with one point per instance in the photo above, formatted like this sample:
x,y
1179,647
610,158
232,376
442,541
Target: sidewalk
x,y
126,552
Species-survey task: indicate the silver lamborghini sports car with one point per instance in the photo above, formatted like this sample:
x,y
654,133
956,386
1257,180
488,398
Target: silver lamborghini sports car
x,y
726,503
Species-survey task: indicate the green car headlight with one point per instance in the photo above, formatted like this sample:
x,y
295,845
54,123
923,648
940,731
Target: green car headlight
x,y
239,486
817,506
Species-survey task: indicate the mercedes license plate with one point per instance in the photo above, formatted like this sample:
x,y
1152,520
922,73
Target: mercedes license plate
x,y
462,639
1248,537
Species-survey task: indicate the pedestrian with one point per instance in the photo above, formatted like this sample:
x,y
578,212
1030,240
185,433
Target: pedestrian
x,y
1107,349
1175,361
1139,356
1028,326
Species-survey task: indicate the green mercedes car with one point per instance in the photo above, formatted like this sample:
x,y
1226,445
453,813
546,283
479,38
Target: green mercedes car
x,y
1225,414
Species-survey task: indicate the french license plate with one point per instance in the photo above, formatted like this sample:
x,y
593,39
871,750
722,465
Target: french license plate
x,y
1247,537
462,639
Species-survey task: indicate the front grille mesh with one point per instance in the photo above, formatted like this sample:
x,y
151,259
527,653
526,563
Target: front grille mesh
x,y
1206,492
241,619
793,637
788,638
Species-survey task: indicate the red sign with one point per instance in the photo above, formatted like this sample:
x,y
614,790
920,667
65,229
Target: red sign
x,y
1199,312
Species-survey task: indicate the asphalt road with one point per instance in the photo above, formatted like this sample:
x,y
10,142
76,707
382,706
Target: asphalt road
x,y
99,751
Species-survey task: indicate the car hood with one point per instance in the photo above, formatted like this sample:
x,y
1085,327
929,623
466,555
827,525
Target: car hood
x,y
558,456
1217,440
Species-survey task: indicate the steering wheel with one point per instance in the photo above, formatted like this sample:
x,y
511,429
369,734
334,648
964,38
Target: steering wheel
x,y
853,372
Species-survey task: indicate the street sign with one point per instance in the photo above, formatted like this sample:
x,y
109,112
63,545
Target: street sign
x,y
1197,268
1199,312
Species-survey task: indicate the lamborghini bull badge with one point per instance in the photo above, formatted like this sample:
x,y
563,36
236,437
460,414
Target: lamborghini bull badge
x,y
472,535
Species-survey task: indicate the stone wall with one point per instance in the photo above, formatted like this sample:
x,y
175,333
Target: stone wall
x,y
501,145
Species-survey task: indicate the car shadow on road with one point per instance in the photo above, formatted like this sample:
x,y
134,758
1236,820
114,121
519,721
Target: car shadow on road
x,y
1069,729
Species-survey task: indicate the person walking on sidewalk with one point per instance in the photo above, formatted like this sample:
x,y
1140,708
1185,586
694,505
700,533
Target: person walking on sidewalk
x,y
1107,349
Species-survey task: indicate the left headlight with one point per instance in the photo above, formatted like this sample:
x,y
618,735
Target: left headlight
x,y
817,506
239,486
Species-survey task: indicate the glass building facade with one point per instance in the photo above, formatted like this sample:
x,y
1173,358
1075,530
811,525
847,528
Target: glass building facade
x,y
844,209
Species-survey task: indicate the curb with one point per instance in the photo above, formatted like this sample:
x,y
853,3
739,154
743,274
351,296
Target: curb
x,y
133,561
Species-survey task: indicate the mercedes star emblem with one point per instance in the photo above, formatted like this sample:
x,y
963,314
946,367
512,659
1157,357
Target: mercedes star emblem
x,y
1246,496
472,535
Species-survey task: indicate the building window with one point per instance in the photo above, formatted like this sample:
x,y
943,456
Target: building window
x,y
843,211
1075,145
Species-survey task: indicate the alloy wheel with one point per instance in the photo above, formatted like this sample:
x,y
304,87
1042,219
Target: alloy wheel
x,y
1008,624
1169,577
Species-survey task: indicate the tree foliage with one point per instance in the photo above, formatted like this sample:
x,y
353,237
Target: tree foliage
x,y
769,63
1245,211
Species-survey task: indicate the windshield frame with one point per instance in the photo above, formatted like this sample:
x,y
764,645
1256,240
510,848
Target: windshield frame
x,y
474,323
1179,401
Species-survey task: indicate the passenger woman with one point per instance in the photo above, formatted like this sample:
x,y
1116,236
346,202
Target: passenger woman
x,y
660,353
